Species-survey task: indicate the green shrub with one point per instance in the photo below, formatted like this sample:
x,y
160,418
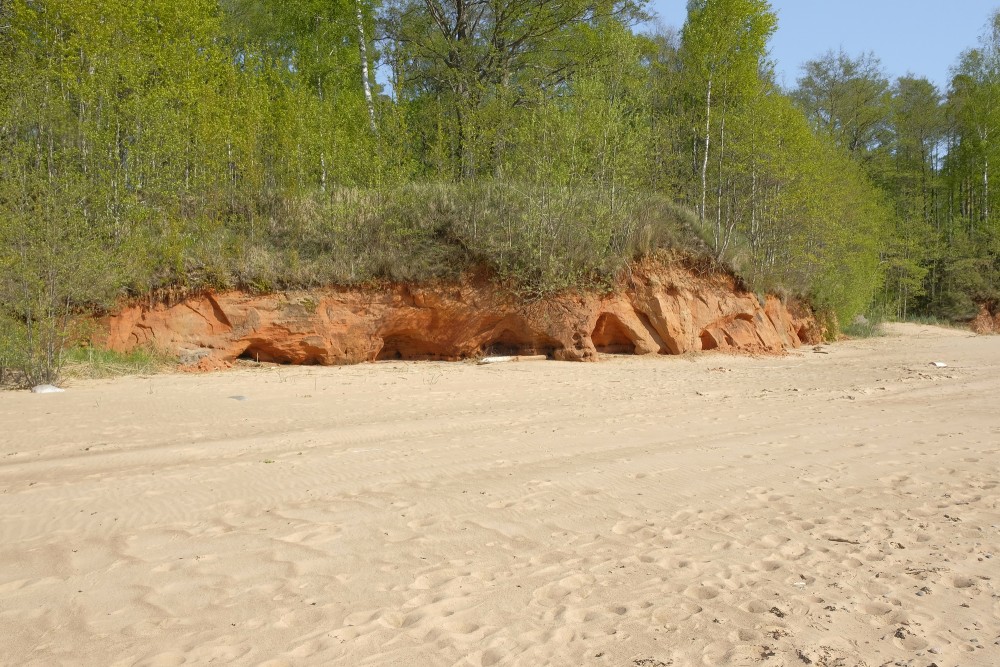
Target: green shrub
x,y
54,262
865,326
536,239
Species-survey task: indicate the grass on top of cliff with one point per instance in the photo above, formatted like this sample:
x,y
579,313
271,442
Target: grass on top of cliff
x,y
537,240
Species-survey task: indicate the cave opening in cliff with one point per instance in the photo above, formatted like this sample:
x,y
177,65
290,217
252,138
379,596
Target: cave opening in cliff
x,y
509,344
609,336
260,355
410,348
263,353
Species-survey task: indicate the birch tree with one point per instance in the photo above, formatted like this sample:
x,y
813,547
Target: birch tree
x,y
467,63
724,56
911,179
365,76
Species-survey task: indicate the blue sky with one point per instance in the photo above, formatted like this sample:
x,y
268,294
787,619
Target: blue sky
x,y
923,37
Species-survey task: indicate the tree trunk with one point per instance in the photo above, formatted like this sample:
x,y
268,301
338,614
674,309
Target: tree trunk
x,y
704,162
365,80
986,189
721,240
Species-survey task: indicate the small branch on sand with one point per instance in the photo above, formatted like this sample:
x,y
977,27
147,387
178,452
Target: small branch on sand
x,y
500,360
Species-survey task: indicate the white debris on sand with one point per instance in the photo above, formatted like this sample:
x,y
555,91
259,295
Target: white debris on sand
x,y
46,389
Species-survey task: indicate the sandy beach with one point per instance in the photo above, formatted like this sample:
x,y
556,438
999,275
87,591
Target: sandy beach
x,y
837,507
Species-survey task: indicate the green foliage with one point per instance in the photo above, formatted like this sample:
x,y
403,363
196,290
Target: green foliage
x,y
468,74
863,327
231,143
725,42
11,345
536,239
52,264
846,99
722,55
932,155
778,202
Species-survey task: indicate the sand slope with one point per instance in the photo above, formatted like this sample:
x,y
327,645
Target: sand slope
x,y
815,509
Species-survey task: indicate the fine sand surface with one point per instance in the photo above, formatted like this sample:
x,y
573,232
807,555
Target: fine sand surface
x,y
837,508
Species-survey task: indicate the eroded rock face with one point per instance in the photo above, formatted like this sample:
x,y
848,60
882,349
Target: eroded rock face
x,y
662,310
987,321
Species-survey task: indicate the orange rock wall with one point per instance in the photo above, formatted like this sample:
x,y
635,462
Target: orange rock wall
x,y
661,311
987,321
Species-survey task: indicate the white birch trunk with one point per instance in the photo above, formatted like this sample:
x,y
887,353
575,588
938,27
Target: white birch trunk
x,y
986,189
723,239
704,162
365,81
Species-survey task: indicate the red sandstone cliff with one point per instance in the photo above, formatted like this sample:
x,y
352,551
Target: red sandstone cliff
x,y
662,310
988,320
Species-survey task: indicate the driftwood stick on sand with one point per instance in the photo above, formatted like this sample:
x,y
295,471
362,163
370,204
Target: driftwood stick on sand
x,y
500,360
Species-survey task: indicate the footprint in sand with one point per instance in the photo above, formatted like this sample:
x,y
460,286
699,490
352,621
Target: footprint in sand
x,y
554,592
296,618
360,618
880,613
771,541
633,527
166,659
744,635
905,638
767,565
794,550
702,592
461,627
420,523
758,607
582,615
431,580
677,613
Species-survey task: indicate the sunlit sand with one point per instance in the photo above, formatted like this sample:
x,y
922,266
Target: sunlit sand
x,y
824,509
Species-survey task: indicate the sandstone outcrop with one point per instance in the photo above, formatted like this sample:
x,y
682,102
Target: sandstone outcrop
x,y
987,321
660,310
